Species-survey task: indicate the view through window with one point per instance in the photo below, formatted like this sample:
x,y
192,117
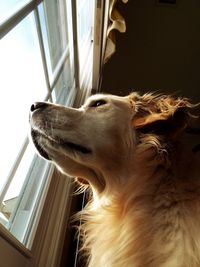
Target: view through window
x,y
36,64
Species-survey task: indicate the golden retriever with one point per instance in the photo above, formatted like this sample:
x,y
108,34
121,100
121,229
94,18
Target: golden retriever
x,y
144,177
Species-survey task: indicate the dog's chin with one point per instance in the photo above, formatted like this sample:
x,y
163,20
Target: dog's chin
x,y
40,149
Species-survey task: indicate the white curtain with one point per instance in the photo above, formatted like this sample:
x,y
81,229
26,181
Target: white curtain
x,y
116,22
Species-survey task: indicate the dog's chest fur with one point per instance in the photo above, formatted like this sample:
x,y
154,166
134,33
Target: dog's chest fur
x,y
158,229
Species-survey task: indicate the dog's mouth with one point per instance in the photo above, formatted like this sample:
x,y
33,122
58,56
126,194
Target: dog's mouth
x,y
76,147
66,145
40,149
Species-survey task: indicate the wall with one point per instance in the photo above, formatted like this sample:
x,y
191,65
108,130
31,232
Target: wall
x,y
159,51
11,257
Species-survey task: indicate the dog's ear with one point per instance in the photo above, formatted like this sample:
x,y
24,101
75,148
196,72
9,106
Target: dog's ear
x,y
162,115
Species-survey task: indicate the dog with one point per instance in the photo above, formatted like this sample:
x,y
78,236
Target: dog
x,y
144,177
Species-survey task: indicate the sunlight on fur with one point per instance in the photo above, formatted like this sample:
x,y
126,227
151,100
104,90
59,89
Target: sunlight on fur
x,y
133,156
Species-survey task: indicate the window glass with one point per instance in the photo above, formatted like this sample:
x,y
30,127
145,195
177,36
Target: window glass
x,y
54,29
85,13
85,19
25,189
8,7
24,206
63,85
22,82
19,178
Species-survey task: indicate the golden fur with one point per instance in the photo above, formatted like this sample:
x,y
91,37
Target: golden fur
x,y
144,177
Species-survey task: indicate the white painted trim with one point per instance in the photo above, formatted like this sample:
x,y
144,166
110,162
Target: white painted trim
x,y
38,214
47,246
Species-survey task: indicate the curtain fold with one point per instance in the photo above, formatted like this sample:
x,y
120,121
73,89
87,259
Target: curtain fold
x,y
116,22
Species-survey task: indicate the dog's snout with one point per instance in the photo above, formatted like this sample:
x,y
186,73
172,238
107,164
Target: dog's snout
x,y
38,105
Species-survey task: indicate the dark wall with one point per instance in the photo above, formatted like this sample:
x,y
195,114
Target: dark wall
x,y
159,51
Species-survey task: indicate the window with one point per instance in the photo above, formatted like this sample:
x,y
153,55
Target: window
x,y
85,38
40,61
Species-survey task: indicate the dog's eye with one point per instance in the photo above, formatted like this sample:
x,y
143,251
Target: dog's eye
x,y
97,103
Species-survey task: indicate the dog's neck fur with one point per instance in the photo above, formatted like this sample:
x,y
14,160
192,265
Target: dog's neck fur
x,y
144,218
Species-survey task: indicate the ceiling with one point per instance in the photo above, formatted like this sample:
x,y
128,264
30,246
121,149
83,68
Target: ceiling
x,y
160,50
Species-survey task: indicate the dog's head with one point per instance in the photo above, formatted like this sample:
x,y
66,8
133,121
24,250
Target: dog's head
x,y
103,135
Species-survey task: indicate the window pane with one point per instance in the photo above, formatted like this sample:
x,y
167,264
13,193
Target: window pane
x,y
21,204
8,7
19,178
22,82
17,207
85,17
54,29
63,85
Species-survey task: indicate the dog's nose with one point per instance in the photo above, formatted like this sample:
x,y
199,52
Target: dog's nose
x,y
38,105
